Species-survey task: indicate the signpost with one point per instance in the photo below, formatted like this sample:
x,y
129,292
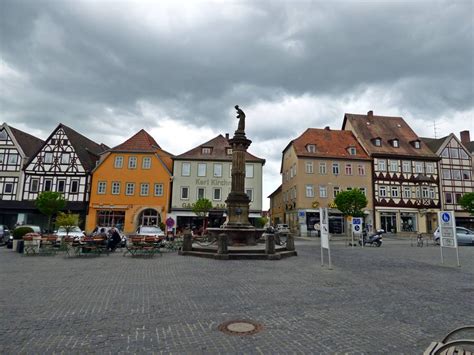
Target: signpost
x,y
447,231
323,212
356,228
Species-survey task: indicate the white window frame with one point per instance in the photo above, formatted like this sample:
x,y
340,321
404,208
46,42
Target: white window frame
x,y
101,187
311,148
203,189
249,193
115,189
146,163
335,190
48,182
144,189
217,170
418,167
323,192
214,190
393,166
183,189
64,185
382,165
361,169
348,169
429,168
335,169
71,187
118,162
202,170
382,191
322,168
185,169
132,162
395,191
309,167
5,190
406,192
249,171
158,189
406,166
309,191
130,188
37,185
48,158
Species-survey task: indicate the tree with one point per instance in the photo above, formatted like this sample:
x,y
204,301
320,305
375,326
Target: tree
x,y
351,203
50,203
201,208
467,202
67,221
260,222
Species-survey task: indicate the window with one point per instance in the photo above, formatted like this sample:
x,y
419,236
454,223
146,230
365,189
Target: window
x,y
363,190
217,170
394,191
118,162
456,174
201,192
3,135
395,143
445,153
454,153
206,150
74,189
393,165
146,163
382,191
158,189
34,185
458,198
8,188
419,167
430,168
12,159
406,192
311,148
335,168
432,192
65,142
309,167
130,189
446,174
466,175
406,166
61,185
377,142
425,192
144,189
229,151
361,169
309,191
132,162
47,184
101,187
216,194
322,168
352,151
48,158
202,169
417,144
185,169
335,191
249,193
448,197
249,170
463,154
184,193
349,188
65,158
323,192
417,192
381,165
115,188
2,158
348,169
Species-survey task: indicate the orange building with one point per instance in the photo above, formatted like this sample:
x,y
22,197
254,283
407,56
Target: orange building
x,y
131,185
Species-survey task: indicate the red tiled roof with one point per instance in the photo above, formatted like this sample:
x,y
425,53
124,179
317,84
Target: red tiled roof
x,y
140,142
367,127
329,144
218,147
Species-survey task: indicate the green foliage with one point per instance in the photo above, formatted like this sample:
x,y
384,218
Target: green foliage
x,y
162,226
467,202
50,203
260,222
19,232
67,221
351,203
202,207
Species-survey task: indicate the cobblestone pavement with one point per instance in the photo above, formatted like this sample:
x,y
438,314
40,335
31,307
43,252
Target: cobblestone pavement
x,y
392,299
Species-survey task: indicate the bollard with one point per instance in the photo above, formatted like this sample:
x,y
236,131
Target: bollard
x,y
187,240
269,243
290,242
222,244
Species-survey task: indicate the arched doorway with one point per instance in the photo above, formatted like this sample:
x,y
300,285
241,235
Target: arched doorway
x,y
149,217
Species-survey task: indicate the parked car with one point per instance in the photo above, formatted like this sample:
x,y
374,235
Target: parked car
x,y
464,236
75,233
282,228
106,230
4,234
154,231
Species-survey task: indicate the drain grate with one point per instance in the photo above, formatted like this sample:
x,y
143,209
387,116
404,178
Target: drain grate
x,y
240,327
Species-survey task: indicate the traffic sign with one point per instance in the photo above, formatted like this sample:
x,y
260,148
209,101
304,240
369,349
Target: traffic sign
x,y
447,231
357,225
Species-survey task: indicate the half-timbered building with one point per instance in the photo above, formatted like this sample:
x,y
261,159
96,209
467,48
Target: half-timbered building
x,y
64,164
16,147
456,175
405,176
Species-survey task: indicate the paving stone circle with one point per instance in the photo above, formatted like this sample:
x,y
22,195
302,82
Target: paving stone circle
x,y
240,327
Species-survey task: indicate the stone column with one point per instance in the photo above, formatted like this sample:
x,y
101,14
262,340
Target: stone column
x,y
269,243
290,242
222,244
187,240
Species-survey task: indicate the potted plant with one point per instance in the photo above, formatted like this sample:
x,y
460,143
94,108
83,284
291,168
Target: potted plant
x,y
18,234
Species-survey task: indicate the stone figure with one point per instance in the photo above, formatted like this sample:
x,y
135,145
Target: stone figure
x,y
241,117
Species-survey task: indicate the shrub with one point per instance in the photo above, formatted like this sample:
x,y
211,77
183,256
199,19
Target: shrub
x,y
19,232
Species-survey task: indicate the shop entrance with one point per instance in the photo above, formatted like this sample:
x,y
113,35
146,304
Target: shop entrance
x,y
149,217
388,222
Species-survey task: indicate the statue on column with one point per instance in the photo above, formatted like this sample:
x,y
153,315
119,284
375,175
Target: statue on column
x,y
241,117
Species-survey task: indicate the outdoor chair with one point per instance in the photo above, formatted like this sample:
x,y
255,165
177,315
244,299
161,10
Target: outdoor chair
x,y
31,243
453,346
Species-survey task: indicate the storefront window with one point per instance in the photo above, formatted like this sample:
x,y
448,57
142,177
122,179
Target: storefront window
x,y
110,218
408,222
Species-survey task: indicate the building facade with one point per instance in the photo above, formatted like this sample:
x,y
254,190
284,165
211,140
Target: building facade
x,y
315,167
405,173
456,175
277,211
205,172
16,147
131,185
64,164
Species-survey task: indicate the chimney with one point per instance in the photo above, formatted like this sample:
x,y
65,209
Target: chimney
x,y
370,114
327,128
227,136
465,138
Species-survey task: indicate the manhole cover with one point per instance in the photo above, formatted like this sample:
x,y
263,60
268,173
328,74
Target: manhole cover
x,y
240,327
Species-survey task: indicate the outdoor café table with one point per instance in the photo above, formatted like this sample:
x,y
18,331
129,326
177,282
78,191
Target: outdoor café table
x,y
48,245
32,243
94,246
143,246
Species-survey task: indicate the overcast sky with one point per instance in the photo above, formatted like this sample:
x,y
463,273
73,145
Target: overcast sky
x,y
176,69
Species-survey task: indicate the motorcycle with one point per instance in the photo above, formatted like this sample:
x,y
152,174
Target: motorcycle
x,y
373,240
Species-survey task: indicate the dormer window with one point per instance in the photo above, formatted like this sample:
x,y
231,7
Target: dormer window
x,y
352,150
395,143
206,150
229,151
311,148
416,144
377,142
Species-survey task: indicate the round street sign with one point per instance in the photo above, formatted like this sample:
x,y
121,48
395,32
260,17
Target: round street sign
x,y
169,222
445,217
357,228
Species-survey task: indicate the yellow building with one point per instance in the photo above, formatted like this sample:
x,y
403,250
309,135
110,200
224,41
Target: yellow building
x,y
131,185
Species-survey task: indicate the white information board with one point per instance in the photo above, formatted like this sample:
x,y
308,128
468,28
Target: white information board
x,y
324,222
447,232
357,225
